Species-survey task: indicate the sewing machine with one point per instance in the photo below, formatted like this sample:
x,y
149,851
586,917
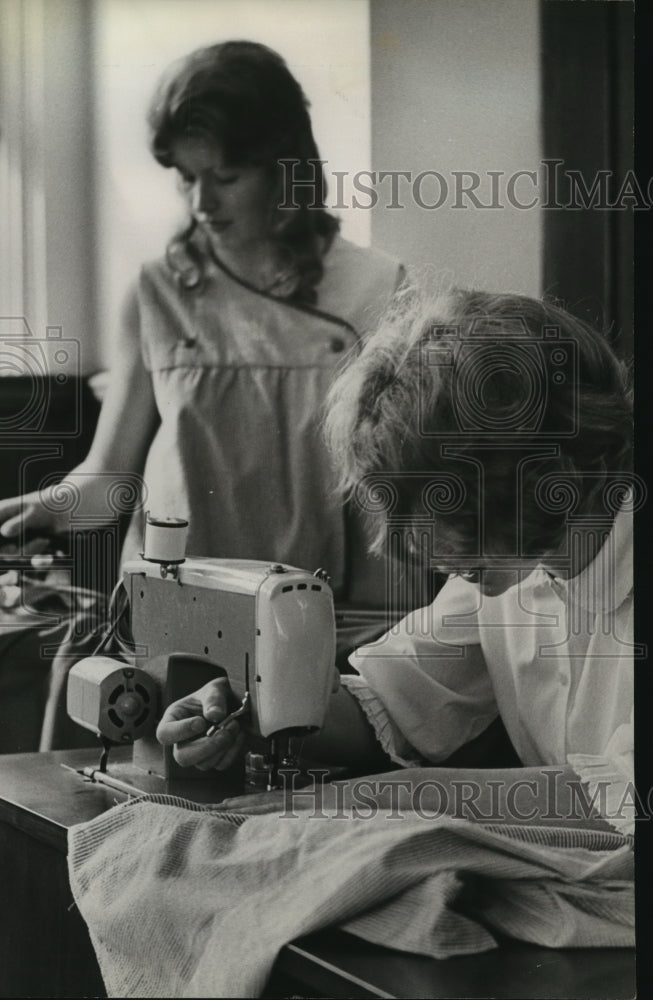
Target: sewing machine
x,y
268,628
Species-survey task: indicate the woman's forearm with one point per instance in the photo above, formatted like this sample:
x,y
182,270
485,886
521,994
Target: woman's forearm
x,y
125,426
552,794
129,415
549,795
346,739
531,796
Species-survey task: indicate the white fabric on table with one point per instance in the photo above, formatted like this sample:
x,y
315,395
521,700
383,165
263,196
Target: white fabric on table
x,y
185,901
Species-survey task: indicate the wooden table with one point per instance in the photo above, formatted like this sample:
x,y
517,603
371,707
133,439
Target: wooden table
x,y
45,949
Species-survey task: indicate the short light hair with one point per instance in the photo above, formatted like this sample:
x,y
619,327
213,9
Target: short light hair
x,y
467,374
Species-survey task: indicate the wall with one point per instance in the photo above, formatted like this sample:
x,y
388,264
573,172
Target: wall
x,y
326,47
455,87
588,119
68,181
46,191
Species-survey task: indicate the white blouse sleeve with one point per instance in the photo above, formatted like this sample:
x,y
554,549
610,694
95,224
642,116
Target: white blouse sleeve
x,y
610,778
424,685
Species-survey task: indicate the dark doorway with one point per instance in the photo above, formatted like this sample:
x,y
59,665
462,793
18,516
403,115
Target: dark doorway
x,y
588,111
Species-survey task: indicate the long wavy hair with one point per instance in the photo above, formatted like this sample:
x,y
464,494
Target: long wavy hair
x,y
482,412
243,97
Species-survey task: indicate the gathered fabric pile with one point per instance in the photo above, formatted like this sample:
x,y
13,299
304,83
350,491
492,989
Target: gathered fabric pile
x,y
183,900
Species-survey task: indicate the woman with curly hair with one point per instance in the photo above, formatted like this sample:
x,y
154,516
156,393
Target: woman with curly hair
x,y
231,340
226,349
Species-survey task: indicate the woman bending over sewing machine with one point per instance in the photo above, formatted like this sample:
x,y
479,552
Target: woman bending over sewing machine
x,y
230,341
499,429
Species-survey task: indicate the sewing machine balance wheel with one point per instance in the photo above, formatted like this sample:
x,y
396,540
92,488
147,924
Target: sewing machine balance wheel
x,y
114,700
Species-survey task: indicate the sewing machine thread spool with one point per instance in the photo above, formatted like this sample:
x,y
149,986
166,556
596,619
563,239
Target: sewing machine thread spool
x,y
165,539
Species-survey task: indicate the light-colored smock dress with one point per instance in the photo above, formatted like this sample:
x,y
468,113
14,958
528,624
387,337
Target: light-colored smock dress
x,y
240,380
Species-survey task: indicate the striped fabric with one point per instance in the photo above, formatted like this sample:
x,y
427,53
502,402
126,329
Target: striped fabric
x,y
183,900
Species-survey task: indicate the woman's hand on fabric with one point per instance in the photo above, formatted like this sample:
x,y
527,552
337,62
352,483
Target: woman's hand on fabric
x,y
35,511
186,721
84,492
